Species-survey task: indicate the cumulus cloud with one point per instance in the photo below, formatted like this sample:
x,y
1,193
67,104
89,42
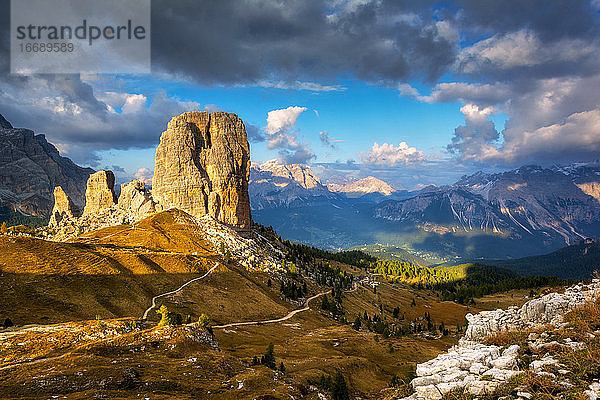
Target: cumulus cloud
x,y
390,155
553,121
254,133
145,175
482,94
281,135
473,141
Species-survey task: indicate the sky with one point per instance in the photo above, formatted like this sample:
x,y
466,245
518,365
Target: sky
x,y
415,93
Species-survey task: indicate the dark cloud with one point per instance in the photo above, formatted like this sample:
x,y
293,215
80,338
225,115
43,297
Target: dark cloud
x,y
80,122
254,133
247,41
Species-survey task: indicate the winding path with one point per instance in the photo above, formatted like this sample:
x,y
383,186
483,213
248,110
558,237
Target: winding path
x,y
176,290
288,316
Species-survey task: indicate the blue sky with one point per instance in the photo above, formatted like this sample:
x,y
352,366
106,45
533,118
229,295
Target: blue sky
x,y
412,92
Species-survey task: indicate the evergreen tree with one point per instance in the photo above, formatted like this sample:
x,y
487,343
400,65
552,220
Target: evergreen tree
x,y
339,389
268,359
8,323
282,368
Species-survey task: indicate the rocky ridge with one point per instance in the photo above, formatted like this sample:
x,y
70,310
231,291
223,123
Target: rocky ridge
x,y
555,205
63,207
275,184
30,169
480,369
370,184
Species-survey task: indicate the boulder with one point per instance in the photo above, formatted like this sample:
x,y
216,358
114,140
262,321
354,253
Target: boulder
x,y
100,194
136,200
63,207
202,167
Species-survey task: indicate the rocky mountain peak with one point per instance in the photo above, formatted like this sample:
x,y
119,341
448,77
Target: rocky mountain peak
x,y
100,193
30,169
370,184
300,173
63,207
4,124
202,166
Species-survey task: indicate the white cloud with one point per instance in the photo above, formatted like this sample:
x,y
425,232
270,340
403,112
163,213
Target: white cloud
x,y
521,48
283,119
300,85
327,141
280,135
145,175
468,93
389,155
406,90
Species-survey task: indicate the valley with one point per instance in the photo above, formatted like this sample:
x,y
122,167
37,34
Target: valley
x,y
176,291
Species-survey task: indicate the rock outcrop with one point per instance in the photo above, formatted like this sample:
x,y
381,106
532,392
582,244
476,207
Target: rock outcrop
x,y
100,193
548,309
477,368
63,207
30,169
202,166
136,199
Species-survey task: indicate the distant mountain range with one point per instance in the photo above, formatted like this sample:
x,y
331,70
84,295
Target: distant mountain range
x,y
558,204
526,211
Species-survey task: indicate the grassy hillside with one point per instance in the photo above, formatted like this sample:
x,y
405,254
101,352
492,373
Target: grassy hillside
x,y
578,261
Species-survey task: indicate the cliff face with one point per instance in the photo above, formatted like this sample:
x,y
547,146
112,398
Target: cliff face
x,y
63,207
100,194
202,166
30,169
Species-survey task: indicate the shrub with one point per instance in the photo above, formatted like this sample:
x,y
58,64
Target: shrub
x,y
165,316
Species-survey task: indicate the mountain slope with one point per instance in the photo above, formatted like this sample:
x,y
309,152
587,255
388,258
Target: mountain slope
x,y
578,261
370,184
30,168
545,205
274,184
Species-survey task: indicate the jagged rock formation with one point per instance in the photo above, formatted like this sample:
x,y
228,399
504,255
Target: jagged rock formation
x,y
548,309
299,173
275,184
202,166
63,207
30,169
100,193
370,184
478,368
136,199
